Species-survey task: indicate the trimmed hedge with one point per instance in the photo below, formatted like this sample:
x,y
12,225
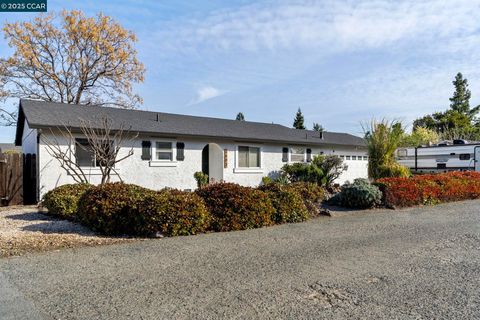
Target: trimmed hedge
x,y
63,200
287,202
430,188
311,193
127,209
118,208
234,207
183,213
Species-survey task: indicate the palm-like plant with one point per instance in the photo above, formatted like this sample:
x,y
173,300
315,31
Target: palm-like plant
x,y
382,137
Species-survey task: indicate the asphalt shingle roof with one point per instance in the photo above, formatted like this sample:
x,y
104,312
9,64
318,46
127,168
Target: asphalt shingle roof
x,y
41,114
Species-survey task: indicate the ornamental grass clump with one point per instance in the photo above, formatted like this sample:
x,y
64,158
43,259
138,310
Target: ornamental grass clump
x,y
382,139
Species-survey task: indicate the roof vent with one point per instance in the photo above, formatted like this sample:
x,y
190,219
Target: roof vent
x,y
158,118
321,134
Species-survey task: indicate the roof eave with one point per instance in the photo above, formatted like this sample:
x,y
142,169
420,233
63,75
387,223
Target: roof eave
x,y
20,125
179,135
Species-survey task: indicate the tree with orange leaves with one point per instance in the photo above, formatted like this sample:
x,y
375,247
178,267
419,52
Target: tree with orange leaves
x,y
73,59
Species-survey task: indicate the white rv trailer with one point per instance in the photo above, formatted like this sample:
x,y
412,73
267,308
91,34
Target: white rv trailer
x,y
457,156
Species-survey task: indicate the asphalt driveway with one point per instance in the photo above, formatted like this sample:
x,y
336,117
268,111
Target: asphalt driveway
x,y
419,263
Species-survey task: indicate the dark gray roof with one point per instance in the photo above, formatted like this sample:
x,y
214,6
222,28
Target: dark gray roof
x,y
41,114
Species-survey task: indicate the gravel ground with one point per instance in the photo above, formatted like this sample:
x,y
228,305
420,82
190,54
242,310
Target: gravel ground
x,y
418,263
25,229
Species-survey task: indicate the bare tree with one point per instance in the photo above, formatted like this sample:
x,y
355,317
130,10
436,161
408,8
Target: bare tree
x,y
7,118
104,144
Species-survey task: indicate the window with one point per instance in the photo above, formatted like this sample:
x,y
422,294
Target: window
x,y
248,157
297,154
365,158
347,157
84,153
354,157
163,151
342,157
464,156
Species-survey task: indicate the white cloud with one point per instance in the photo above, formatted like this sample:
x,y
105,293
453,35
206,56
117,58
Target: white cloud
x,y
330,25
206,93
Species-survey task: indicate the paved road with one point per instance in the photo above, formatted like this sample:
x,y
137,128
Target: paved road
x,y
420,263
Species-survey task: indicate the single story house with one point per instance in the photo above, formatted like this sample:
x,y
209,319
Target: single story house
x,y
170,148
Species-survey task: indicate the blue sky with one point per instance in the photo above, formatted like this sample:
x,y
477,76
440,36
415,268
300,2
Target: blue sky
x,y
341,62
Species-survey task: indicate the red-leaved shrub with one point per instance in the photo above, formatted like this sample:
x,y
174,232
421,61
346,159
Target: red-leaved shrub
x,y
430,188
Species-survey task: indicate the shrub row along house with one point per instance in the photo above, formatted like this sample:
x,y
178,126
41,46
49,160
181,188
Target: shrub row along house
x,y
165,150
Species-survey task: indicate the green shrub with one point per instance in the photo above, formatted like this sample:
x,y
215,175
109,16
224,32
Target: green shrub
x,y
234,207
358,195
288,203
183,213
202,178
394,170
267,180
63,201
322,170
332,167
312,194
118,208
304,172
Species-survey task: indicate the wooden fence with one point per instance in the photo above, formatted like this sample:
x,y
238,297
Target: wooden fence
x,y
18,181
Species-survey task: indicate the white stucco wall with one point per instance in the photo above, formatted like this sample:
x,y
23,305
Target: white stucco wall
x,y
179,174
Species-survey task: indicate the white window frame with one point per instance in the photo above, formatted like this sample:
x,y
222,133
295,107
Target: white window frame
x,y
154,162
238,169
290,154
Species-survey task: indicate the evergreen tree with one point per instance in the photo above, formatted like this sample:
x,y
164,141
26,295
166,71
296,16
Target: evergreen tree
x,y
459,118
298,122
240,117
318,127
460,101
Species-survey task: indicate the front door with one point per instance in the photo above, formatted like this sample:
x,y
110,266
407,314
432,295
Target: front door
x,y
212,162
